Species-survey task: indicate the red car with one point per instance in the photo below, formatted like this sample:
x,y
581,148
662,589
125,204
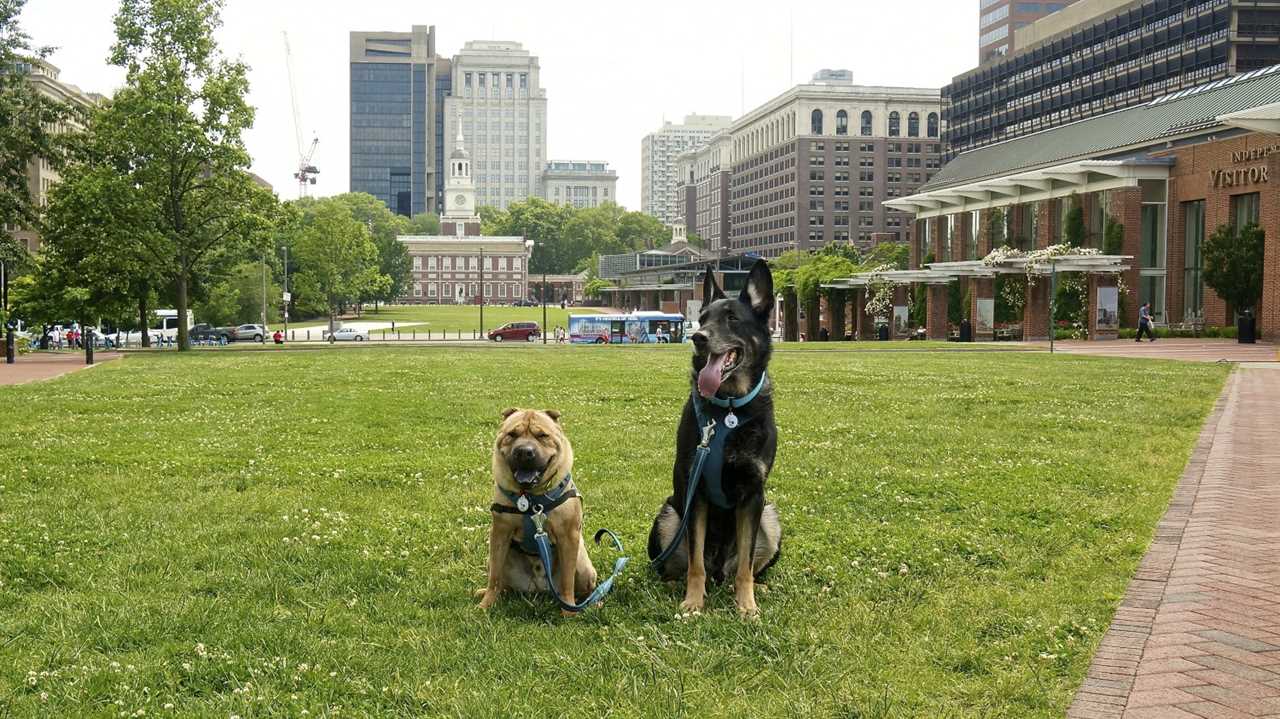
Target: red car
x,y
527,331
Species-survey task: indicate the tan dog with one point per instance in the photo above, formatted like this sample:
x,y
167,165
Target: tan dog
x,y
532,457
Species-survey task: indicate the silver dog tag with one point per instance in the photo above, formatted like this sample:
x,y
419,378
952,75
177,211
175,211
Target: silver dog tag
x,y
731,420
522,503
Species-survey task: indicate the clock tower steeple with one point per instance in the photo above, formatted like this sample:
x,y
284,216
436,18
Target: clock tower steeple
x,y
459,217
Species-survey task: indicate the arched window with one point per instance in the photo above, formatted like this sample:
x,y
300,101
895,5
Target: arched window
x,y
933,124
913,125
842,123
866,123
815,123
895,124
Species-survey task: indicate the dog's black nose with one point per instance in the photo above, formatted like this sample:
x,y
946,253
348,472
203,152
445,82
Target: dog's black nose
x,y
700,341
524,454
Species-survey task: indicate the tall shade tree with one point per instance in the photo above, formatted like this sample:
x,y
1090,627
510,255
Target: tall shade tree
x,y
27,126
337,259
386,228
175,133
641,232
1233,261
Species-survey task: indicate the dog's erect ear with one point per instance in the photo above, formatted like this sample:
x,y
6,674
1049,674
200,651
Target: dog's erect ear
x,y
508,412
758,292
710,290
553,414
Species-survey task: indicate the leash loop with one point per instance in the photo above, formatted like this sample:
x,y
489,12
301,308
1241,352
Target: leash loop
x,y
602,588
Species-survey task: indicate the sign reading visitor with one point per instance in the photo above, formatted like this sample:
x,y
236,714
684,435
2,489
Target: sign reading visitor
x,y
1240,176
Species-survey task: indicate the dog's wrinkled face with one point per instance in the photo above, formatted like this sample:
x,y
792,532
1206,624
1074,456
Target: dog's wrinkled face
x,y
531,451
731,346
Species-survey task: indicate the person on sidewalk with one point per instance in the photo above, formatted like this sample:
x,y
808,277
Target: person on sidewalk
x,y
278,337
1144,323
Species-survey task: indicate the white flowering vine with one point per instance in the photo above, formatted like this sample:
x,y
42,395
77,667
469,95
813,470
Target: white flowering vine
x,y
880,292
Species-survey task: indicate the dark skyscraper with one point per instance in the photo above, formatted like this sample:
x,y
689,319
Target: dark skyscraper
x,y
395,140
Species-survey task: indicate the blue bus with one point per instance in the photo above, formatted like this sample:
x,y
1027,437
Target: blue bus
x,y
635,328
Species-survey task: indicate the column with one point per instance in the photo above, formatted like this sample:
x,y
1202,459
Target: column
x,y
982,307
836,314
984,233
898,331
936,243
1105,330
865,323
1127,207
1044,224
790,315
936,311
1035,311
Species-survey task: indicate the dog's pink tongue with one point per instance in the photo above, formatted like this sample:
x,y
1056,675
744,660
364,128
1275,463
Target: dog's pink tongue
x,y
710,376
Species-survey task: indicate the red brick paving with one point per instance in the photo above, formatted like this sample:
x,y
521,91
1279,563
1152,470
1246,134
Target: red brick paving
x,y
46,365
1201,350
1198,633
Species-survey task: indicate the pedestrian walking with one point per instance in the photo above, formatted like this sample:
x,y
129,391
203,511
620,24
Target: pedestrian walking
x,y
1144,323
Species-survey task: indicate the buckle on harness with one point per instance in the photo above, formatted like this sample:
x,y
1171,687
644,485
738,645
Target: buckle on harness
x,y
708,432
538,518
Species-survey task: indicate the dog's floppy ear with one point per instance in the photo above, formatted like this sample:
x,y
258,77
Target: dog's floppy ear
x,y
710,290
508,412
758,292
553,414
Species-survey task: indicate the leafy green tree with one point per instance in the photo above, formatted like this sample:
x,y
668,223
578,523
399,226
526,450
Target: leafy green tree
x,y
594,287
174,133
237,299
423,223
1075,233
493,220
1233,264
894,254
639,232
26,132
544,223
386,227
1113,237
337,260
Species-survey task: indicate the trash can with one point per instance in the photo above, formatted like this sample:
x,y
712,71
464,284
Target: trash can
x,y
882,333
966,331
1247,329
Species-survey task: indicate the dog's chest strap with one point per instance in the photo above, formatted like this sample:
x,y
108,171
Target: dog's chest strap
x,y
708,459
535,503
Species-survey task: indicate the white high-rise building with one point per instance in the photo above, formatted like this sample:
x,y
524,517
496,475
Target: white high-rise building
x,y
497,93
658,153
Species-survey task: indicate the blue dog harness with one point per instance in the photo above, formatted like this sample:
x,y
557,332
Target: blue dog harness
x,y
534,508
708,458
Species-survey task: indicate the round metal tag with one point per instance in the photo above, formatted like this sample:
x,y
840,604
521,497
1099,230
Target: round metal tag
x,y
731,420
522,503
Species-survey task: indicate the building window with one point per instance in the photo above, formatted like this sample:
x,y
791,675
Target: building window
x,y
431,289
417,289
1192,283
842,123
866,123
431,263
515,264
933,124
815,122
502,290
895,124
913,125
417,262
1244,209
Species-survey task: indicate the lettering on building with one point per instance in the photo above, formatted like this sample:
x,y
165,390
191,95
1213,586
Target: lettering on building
x,y
1257,153
1239,177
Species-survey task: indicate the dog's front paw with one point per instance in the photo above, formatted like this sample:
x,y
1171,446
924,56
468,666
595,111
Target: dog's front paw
x,y
692,603
748,610
488,600
567,614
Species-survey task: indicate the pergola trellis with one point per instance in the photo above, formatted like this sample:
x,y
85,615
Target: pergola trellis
x,y
937,275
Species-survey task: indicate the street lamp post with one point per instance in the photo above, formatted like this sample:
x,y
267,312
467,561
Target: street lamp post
x,y
10,324
481,291
544,304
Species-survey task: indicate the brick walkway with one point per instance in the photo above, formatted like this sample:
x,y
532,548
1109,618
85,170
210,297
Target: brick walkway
x,y
1198,632
46,365
1201,350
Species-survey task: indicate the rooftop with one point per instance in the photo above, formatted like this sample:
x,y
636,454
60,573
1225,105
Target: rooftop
x,y
1181,114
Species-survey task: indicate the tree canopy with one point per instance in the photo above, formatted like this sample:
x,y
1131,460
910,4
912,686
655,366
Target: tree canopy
x,y
1233,264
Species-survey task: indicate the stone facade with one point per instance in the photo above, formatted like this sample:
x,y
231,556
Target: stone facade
x,y
659,177
579,183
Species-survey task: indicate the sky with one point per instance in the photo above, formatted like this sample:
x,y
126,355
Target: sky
x,y
613,71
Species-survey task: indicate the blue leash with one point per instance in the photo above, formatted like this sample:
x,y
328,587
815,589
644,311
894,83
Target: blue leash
x,y
544,553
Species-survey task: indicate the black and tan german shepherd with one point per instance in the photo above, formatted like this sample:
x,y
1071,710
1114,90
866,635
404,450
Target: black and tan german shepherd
x,y
731,352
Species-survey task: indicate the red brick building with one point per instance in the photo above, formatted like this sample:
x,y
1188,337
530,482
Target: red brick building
x,y
1169,173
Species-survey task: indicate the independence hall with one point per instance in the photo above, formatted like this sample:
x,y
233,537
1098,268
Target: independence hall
x,y
1157,178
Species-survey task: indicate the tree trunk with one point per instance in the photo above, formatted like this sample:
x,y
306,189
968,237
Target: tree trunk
x,y
331,317
812,319
183,340
142,322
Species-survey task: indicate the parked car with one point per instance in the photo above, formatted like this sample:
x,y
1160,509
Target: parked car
x,y
248,332
348,334
524,303
209,332
527,331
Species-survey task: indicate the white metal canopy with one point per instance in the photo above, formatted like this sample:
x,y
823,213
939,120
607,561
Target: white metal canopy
x,y
1265,118
940,273
1046,183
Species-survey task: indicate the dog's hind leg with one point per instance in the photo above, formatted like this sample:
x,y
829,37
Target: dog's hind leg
x,y
499,546
747,518
661,535
695,588
584,580
768,545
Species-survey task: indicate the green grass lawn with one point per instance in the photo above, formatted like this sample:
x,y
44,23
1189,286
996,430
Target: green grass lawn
x,y
259,534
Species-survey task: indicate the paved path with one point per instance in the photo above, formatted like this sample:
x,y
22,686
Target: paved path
x,y
45,365
1201,350
1198,631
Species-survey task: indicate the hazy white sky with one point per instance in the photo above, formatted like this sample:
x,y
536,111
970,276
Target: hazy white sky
x,y
612,70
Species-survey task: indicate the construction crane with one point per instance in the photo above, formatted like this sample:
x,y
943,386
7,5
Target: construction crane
x,y
306,171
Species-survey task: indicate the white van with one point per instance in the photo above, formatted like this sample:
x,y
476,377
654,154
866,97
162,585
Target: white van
x,y
163,327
